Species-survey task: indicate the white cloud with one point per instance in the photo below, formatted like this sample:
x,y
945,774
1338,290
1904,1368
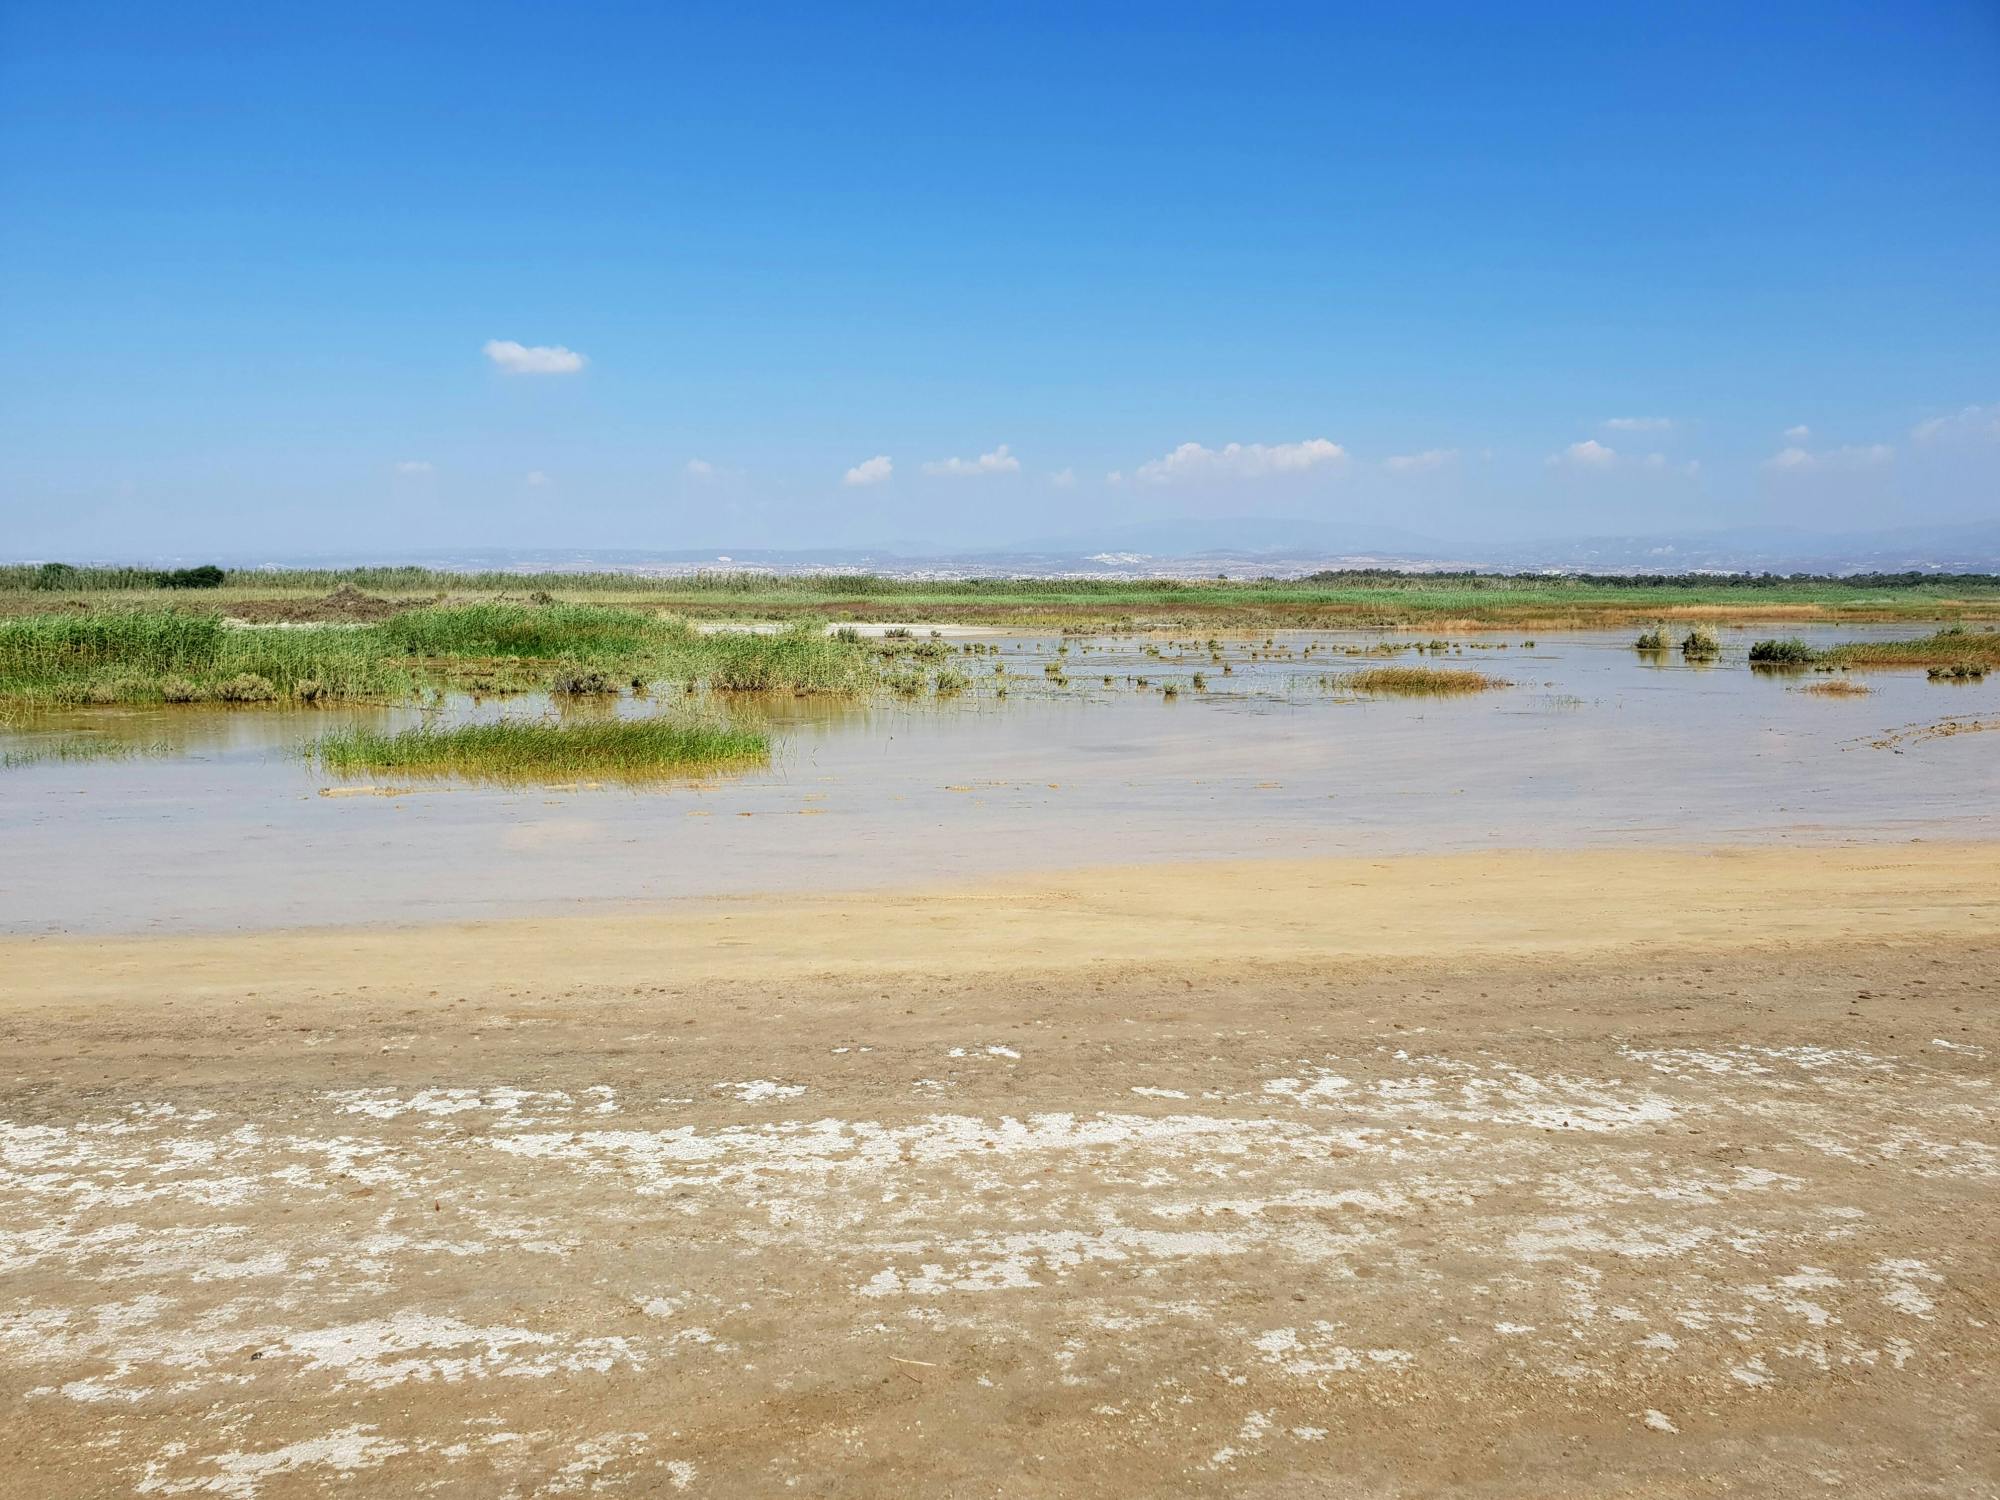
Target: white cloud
x,y
1967,421
1063,479
539,359
1798,435
414,466
1191,461
1638,424
999,461
1855,456
1588,454
535,478
698,468
869,471
1418,463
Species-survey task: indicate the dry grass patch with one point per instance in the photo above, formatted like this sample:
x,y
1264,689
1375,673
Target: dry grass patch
x,y
1836,687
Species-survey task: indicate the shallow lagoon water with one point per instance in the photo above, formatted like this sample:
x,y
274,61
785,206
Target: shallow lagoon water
x,y
1595,744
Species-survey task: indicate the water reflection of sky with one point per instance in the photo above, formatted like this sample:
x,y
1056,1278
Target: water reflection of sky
x,y
1593,745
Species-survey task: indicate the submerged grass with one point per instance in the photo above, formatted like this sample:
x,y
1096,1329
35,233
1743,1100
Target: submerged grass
x,y
73,749
1421,681
542,750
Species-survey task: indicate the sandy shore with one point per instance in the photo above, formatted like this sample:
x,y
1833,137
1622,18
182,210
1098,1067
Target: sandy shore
x,y
1567,904
1506,1175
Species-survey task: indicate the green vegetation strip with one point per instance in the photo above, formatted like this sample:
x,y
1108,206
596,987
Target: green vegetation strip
x,y
165,656
625,749
1956,651
1379,596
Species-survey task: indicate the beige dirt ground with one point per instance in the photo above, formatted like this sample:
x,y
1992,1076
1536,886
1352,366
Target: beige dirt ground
x,y
1498,1175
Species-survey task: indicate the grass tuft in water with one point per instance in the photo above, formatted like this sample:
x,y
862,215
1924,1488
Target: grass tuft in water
x,y
74,749
1786,653
1701,644
1421,681
541,750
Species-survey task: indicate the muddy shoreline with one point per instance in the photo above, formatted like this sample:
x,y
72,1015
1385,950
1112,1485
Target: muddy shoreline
x,y
1699,1198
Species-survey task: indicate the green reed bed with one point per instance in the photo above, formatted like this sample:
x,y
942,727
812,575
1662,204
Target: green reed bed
x,y
1949,649
157,655
574,632
632,644
1953,650
544,750
802,658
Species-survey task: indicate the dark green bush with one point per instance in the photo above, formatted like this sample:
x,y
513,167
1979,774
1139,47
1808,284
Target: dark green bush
x,y
1787,653
208,576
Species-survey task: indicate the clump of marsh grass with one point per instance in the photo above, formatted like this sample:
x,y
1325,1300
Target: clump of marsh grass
x,y
1654,639
1836,687
1792,652
582,682
801,659
162,656
542,750
1963,671
585,633
1701,644
1421,681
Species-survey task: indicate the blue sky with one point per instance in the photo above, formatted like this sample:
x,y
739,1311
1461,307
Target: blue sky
x,y
843,275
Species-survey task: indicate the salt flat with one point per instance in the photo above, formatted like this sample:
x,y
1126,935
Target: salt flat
x,y
663,1203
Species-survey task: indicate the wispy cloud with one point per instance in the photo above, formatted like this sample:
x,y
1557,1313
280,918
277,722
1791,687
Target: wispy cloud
x,y
698,468
1966,422
414,466
1588,454
869,471
1192,461
1798,436
1063,479
1796,460
1638,424
1419,463
535,479
999,461
536,359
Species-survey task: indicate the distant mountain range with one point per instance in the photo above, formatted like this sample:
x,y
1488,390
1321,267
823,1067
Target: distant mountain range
x,y
1279,547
